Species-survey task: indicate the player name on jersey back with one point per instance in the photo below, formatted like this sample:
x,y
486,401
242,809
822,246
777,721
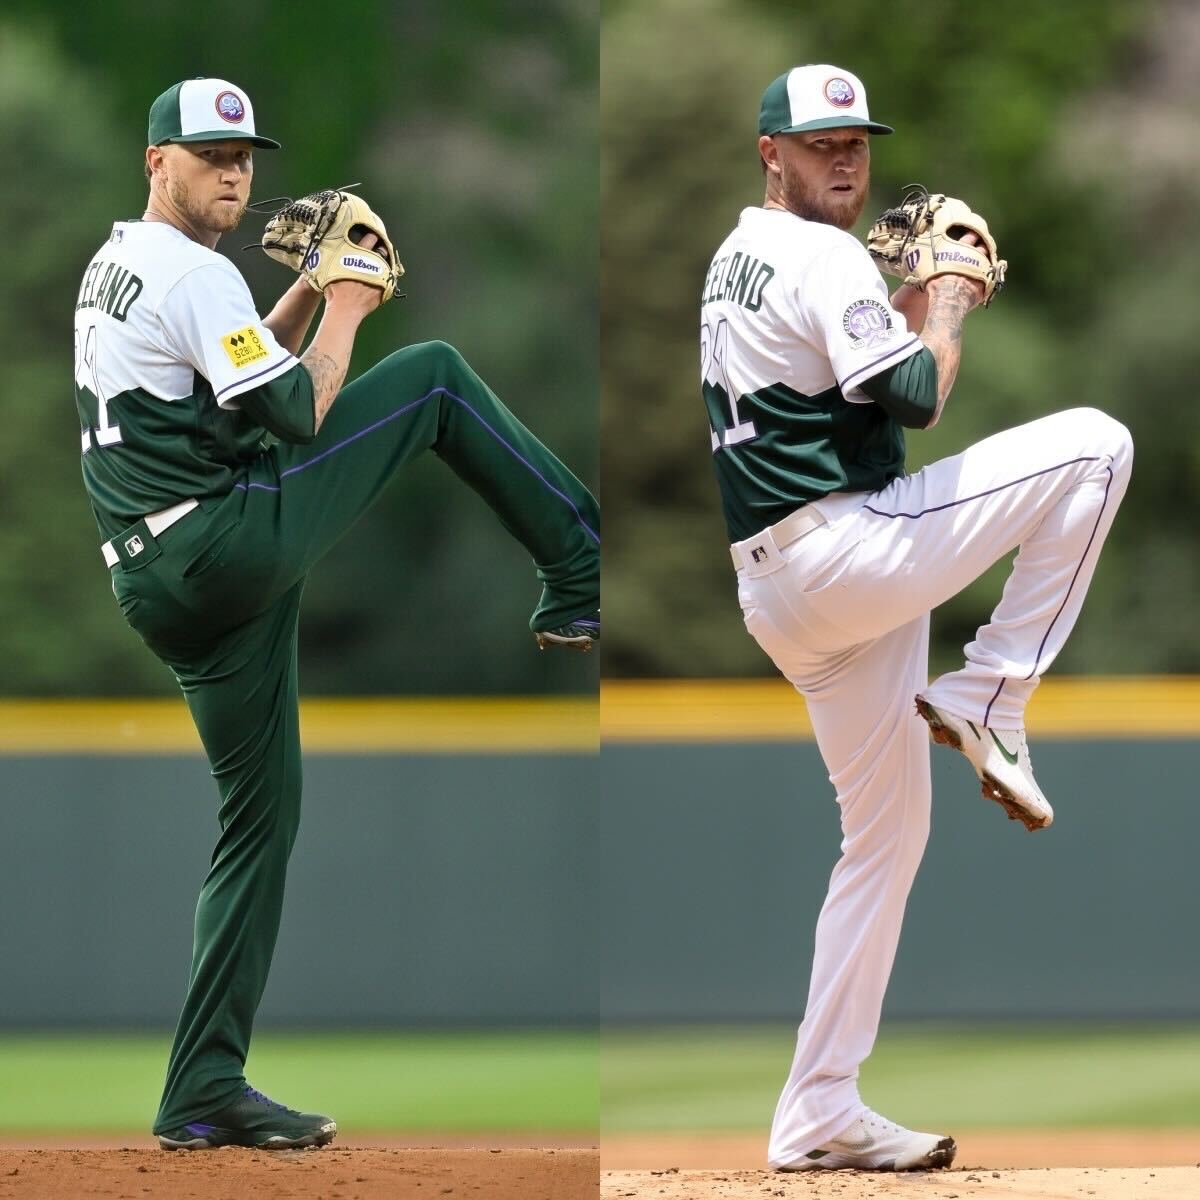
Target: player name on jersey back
x,y
738,277
110,288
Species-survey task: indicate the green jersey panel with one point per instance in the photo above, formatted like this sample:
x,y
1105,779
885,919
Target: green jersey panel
x,y
167,452
801,448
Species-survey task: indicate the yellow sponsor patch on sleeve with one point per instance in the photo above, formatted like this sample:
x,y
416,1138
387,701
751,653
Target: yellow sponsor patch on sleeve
x,y
244,347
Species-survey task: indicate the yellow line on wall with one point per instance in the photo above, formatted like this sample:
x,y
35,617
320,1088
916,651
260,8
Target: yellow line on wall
x,y
763,710
560,724
759,710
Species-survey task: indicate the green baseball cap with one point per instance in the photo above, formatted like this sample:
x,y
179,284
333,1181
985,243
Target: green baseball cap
x,y
204,110
817,96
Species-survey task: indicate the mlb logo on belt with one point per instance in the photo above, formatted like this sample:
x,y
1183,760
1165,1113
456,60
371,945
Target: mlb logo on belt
x,y
134,546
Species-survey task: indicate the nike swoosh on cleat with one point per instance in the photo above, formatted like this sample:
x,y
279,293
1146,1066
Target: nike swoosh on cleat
x,y
1009,757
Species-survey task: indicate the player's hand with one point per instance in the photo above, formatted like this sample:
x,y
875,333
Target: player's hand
x,y
349,294
959,285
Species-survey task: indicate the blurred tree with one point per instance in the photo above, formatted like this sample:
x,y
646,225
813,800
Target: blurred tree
x,y
61,627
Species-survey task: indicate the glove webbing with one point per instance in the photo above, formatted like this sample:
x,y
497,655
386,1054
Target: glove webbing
x,y
303,211
906,218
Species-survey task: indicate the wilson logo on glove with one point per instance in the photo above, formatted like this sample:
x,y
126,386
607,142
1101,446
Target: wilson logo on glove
x,y
361,264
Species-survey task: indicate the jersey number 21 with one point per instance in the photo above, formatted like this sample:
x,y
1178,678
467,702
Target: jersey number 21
x,y
86,380
725,423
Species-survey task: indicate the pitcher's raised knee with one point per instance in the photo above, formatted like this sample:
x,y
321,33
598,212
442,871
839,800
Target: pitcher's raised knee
x,y
1100,433
439,362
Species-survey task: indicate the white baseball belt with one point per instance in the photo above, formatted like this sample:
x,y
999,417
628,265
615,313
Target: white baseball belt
x,y
156,522
759,555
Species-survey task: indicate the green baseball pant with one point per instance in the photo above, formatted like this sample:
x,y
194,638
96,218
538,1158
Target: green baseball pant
x,y
217,596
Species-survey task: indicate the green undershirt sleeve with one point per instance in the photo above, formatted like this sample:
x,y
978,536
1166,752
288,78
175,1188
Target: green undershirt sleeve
x,y
284,406
907,392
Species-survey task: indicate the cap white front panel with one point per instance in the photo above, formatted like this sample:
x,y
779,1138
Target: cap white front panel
x,y
817,92
207,105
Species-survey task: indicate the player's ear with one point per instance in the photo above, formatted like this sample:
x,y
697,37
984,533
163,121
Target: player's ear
x,y
768,153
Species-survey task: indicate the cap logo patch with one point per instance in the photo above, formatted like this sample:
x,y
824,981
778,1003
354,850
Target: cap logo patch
x,y
230,107
839,92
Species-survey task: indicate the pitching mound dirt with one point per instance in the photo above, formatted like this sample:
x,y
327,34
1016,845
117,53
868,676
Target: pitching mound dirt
x,y
1101,1183
1111,1164
995,1149
335,1174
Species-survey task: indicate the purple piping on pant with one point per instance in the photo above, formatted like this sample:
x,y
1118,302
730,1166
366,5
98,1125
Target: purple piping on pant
x,y
991,491
1082,560
1078,568
996,696
267,487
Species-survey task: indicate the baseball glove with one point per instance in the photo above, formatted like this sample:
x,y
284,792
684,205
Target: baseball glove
x,y
318,236
921,239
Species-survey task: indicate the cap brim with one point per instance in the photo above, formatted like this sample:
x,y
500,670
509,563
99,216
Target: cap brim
x,y
224,135
835,123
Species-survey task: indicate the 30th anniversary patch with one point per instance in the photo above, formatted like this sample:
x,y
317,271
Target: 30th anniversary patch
x,y
867,323
244,347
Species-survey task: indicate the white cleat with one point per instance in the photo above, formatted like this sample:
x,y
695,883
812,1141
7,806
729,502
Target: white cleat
x,y
1001,760
873,1143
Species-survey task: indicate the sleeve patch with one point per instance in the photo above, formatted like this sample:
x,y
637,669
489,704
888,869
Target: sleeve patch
x,y
867,323
244,347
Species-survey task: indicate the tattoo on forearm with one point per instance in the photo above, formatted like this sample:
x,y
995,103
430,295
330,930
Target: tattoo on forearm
x,y
327,376
942,334
946,315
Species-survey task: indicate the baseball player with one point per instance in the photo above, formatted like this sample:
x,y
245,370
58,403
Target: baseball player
x,y
220,469
810,374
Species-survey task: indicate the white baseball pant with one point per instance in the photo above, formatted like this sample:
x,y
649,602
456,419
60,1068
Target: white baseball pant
x,y
844,613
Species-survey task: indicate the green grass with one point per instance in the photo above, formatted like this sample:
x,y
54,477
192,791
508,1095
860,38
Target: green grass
x,y
690,1078
1065,1076
468,1082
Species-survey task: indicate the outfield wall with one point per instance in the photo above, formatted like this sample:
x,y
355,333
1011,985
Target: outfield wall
x,y
721,830
418,887
473,862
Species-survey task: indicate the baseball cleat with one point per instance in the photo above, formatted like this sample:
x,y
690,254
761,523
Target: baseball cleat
x,y
578,634
253,1120
1001,760
873,1143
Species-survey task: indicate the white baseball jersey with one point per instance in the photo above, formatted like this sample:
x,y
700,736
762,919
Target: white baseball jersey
x,y
166,340
794,318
